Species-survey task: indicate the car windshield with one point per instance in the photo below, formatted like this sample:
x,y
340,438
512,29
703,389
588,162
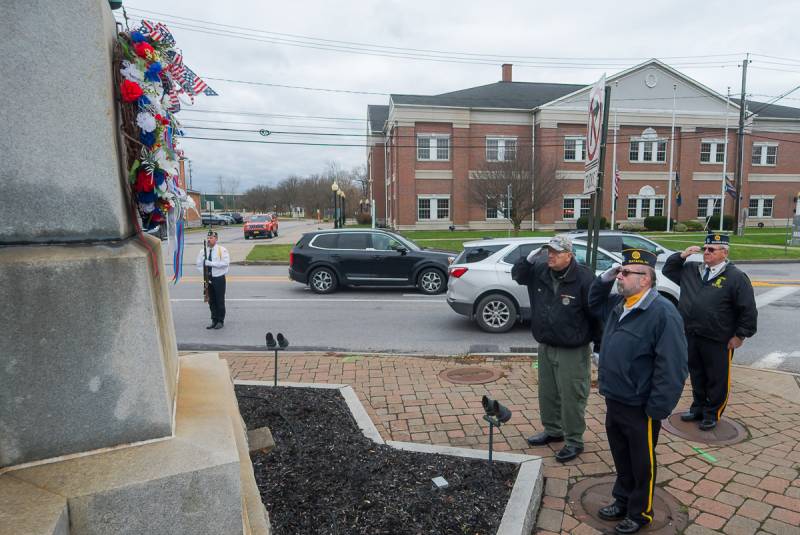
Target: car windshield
x,y
259,218
476,253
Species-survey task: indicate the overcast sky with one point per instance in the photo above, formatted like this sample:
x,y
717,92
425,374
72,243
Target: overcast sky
x,y
703,39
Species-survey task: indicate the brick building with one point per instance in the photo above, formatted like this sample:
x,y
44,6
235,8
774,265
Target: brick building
x,y
424,151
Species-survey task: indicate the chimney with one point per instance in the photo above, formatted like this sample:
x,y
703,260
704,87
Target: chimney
x,y
506,72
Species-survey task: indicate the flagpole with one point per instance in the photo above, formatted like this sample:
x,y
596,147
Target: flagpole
x,y
671,147
724,165
615,187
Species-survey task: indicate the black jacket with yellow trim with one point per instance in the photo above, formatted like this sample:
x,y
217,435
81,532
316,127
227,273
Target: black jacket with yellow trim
x,y
718,309
644,356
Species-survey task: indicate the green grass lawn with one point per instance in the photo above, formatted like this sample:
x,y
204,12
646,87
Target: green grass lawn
x,y
276,252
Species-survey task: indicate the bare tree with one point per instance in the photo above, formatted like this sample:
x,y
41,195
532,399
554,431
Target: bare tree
x,y
530,186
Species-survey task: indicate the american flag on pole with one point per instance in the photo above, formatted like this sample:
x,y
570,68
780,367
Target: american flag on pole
x,y
617,178
193,84
730,187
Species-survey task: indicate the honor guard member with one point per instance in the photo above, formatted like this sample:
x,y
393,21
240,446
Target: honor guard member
x,y
564,326
719,312
216,262
641,374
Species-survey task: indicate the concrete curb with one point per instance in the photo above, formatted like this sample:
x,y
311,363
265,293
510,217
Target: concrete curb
x,y
523,504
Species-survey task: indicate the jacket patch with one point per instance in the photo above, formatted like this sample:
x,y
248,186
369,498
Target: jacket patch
x,y
718,282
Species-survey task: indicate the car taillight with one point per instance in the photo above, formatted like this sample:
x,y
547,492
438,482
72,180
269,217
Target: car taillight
x,y
457,272
291,259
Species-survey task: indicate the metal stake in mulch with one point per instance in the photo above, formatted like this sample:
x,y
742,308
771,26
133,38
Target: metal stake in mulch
x,y
282,343
496,415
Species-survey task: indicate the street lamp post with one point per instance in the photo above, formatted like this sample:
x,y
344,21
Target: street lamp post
x,y
344,212
335,189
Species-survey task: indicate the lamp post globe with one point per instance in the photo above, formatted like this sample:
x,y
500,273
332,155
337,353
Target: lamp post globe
x,y
335,190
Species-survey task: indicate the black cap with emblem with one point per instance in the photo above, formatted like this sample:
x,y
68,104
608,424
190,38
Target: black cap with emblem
x,y
642,257
212,233
717,239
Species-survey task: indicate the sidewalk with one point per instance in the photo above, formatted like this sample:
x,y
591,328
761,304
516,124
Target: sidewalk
x,y
749,488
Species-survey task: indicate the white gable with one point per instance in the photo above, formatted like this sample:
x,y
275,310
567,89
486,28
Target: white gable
x,y
649,87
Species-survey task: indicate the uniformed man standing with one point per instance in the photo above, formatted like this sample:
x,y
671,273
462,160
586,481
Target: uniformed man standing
x,y
719,312
641,375
215,260
564,326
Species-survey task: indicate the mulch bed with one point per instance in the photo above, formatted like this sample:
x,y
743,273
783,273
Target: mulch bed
x,y
325,477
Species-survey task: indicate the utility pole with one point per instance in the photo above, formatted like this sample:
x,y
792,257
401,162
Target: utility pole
x,y
740,147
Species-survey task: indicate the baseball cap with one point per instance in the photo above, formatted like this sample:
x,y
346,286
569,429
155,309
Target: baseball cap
x,y
560,243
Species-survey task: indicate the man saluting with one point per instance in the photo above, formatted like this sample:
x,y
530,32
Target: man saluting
x,y
641,374
719,312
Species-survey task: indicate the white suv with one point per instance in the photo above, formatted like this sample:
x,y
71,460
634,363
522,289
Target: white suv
x,y
480,284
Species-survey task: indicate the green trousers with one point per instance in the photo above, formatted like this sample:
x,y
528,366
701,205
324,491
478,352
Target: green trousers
x,y
564,378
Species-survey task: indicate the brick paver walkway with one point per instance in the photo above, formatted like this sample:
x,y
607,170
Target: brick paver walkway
x,y
752,488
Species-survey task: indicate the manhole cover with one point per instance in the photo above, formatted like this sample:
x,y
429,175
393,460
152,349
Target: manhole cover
x,y
726,433
590,494
470,375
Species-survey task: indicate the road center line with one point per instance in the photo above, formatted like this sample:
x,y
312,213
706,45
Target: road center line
x,y
774,295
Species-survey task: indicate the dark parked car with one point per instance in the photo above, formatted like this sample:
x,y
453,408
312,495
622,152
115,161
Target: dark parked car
x,y
328,259
236,216
214,219
617,240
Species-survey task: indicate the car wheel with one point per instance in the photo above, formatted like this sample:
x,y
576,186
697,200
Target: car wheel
x,y
322,281
496,313
246,237
431,281
269,234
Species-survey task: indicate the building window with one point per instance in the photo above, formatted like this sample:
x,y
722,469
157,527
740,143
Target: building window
x,y
501,149
760,206
575,207
712,151
433,148
765,154
648,151
496,207
433,208
708,206
640,207
574,149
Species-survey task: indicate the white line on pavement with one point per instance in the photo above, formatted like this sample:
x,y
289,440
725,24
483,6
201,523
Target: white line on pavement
x,y
319,300
774,359
774,295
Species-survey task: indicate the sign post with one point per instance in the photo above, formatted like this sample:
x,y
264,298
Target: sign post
x,y
596,133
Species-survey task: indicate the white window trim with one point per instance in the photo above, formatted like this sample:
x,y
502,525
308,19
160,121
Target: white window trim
x,y
576,214
435,206
760,199
717,204
715,147
433,146
763,159
580,148
499,216
654,150
501,147
639,199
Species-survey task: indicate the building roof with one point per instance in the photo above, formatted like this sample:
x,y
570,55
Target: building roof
x,y
770,111
377,115
513,95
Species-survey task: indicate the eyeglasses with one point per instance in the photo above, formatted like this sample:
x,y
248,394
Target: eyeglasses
x,y
626,272
712,249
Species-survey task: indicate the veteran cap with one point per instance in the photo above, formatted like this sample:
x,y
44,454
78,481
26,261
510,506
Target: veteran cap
x,y
717,239
212,233
560,244
642,257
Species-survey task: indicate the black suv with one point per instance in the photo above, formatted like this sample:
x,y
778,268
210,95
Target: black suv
x,y
327,259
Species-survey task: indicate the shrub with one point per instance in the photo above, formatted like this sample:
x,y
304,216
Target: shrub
x,y
583,223
364,218
727,222
631,227
656,222
693,224
680,227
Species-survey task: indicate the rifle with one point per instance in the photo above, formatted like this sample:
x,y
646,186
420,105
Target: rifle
x,y
205,271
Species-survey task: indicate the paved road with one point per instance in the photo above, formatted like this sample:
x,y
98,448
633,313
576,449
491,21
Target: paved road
x,y
261,298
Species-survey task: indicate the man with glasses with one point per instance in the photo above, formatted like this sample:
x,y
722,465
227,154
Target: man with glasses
x,y
719,312
641,375
564,326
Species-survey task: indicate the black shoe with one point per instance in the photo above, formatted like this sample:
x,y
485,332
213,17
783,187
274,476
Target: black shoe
x,y
615,511
690,416
213,325
543,438
629,525
219,325
568,452
707,424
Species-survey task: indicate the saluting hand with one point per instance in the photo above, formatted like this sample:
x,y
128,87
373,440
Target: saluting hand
x,y
735,343
611,273
692,249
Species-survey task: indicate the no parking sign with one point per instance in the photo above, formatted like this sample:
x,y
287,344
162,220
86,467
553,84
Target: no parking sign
x,y
594,134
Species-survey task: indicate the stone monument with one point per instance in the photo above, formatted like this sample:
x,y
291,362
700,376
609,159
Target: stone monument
x,y
103,428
